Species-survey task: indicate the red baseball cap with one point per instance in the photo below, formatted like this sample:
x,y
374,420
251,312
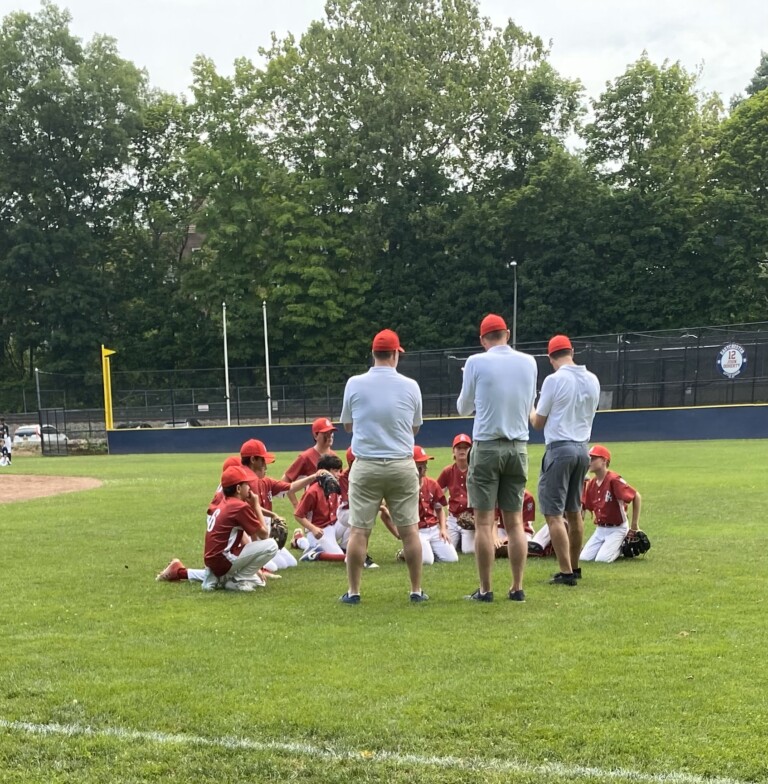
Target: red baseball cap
x,y
387,340
420,456
350,456
231,461
234,475
599,451
558,343
256,448
322,425
462,438
492,323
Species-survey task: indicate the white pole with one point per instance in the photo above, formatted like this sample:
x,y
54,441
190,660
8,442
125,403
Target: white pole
x,y
226,361
266,362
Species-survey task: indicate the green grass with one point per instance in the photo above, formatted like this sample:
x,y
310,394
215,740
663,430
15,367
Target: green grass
x,y
654,665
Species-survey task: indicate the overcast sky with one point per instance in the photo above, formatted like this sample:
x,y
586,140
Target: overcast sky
x,y
593,40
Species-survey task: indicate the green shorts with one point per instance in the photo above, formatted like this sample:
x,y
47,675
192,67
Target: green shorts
x,y
498,471
396,482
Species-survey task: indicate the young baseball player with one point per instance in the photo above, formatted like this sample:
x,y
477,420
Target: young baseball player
x,y
306,463
227,565
607,496
176,571
435,542
5,452
316,514
453,479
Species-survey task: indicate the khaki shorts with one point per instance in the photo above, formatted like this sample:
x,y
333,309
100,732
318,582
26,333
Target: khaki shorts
x,y
498,471
396,482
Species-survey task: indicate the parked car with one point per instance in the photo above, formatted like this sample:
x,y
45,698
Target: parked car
x,y
133,426
185,423
30,434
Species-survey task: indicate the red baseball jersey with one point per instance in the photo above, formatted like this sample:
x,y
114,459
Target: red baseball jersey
x,y
430,496
608,500
305,464
454,481
267,489
316,508
344,485
227,521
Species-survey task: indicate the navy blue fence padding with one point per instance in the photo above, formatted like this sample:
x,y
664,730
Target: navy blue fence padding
x,y
666,424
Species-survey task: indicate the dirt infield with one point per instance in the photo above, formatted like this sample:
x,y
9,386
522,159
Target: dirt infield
x,y
16,487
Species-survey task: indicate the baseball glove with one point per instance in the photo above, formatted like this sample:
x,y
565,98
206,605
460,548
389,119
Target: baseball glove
x,y
278,530
466,520
635,543
329,484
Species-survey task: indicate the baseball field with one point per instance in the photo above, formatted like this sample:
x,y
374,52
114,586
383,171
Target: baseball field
x,y
650,670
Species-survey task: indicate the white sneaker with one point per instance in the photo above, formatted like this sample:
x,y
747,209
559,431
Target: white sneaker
x,y
210,581
239,585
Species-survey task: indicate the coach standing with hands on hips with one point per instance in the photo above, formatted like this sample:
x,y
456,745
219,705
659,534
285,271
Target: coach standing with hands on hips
x,y
382,409
500,388
565,412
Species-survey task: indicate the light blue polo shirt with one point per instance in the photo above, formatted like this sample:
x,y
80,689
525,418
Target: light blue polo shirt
x,y
383,407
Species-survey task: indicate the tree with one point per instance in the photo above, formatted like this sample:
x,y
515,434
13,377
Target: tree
x,y
67,114
760,79
648,140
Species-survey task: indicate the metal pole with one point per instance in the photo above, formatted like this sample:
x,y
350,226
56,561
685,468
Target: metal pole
x,y
266,362
37,384
226,361
514,307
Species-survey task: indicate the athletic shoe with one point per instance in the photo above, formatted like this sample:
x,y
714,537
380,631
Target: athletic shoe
x,y
297,534
517,596
369,563
171,572
350,599
479,596
577,573
311,554
400,555
535,550
419,597
563,579
239,585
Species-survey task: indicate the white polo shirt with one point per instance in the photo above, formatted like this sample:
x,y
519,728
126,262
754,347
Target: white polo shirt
x,y
500,388
569,399
383,406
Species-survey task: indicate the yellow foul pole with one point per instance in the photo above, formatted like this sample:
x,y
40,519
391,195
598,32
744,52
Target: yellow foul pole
x,y
106,376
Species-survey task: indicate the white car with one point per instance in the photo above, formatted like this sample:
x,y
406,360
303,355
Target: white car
x,y
30,434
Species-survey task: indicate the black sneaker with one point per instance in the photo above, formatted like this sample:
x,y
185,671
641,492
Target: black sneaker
x,y
419,597
517,596
369,563
577,573
350,599
563,579
479,596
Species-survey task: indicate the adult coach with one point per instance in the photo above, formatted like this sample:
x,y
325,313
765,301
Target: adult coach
x,y
565,412
500,388
382,410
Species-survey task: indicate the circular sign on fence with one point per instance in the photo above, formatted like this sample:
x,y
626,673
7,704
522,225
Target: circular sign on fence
x,y
731,360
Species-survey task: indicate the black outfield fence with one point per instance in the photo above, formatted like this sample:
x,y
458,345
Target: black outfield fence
x,y
690,367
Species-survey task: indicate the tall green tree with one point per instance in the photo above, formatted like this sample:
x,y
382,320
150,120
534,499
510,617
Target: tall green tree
x,y
67,114
648,140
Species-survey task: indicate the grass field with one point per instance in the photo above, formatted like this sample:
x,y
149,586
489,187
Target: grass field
x,y
651,670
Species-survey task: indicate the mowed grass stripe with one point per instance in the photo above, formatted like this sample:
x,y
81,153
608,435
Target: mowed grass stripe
x,y
573,772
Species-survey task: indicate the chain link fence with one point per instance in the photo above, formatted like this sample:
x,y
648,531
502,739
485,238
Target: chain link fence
x,y
658,369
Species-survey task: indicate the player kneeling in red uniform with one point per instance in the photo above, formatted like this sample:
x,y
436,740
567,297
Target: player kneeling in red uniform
x,y
607,496
226,564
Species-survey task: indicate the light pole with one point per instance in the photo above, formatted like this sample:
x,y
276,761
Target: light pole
x,y
513,264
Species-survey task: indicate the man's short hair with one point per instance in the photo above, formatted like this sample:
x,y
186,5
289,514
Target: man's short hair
x,y
564,352
496,335
330,463
384,354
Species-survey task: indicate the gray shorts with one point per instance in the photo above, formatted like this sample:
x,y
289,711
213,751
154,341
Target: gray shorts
x,y
498,471
563,470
